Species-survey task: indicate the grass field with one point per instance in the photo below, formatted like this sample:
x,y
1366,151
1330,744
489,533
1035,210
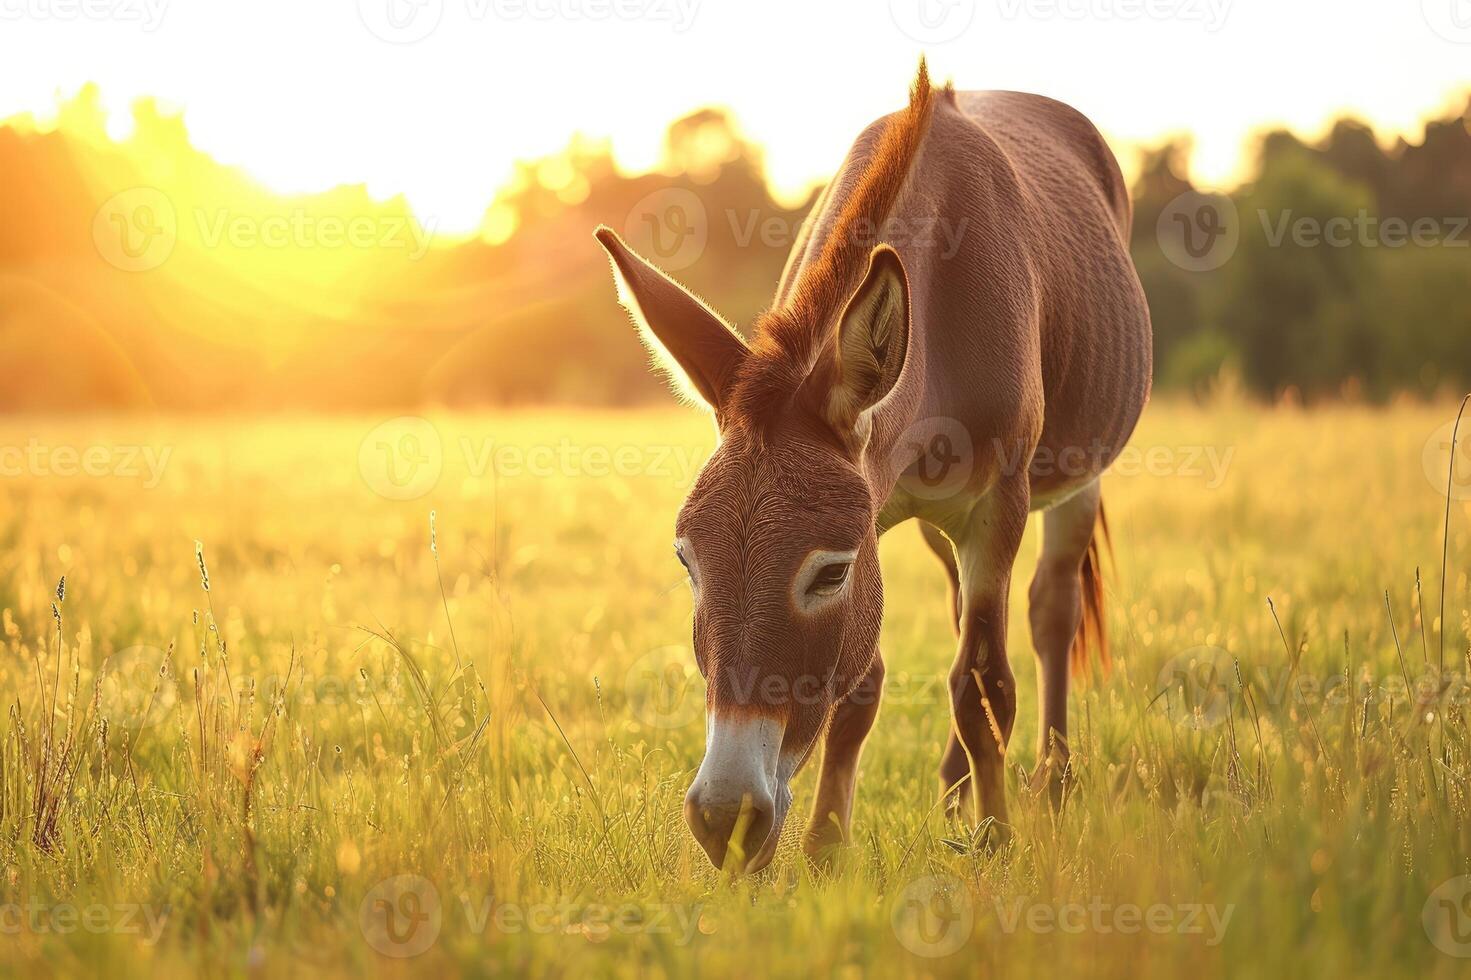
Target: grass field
x,y
363,742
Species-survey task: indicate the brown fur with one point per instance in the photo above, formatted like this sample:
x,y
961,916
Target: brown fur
x,y
1025,336
789,337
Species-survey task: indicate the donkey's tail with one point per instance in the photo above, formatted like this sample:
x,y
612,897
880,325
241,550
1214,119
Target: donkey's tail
x,y
1092,631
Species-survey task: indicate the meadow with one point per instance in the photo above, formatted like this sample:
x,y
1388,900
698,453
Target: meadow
x,y
278,720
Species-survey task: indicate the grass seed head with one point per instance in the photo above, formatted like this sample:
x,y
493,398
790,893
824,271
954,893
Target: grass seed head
x,y
203,570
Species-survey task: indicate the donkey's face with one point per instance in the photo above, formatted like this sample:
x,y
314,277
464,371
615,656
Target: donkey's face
x,y
778,539
779,542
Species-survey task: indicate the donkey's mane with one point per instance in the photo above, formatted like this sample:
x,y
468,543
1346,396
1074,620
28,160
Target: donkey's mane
x,y
789,337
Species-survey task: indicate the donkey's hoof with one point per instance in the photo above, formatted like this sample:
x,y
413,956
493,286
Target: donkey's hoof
x,y
993,835
1052,779
824,845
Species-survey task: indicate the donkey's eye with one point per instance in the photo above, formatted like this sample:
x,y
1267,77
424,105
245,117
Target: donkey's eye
x,y
679,553
830,578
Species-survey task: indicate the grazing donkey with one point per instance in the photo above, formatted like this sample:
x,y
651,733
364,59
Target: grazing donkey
x,y
959,336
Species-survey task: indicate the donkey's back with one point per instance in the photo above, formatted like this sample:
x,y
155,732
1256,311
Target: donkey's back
x,y
1069,227
1030,324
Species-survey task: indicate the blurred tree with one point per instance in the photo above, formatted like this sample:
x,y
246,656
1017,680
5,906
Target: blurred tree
x,y
525,311
1293,296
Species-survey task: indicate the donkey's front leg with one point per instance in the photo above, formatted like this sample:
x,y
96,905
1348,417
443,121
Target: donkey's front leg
x,y
982,691
838,782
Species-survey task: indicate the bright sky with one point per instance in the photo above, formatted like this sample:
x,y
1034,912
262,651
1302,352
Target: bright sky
x,y
307,94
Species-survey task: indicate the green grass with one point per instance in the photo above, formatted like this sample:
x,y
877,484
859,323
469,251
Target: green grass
x,y
312,737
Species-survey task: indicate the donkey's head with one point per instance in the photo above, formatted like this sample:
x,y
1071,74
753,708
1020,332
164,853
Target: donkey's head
x,y
778,534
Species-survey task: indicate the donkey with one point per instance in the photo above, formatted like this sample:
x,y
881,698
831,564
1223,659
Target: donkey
x,y
959,336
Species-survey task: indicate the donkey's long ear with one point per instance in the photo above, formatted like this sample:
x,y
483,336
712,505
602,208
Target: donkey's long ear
x,y
694,346
871,344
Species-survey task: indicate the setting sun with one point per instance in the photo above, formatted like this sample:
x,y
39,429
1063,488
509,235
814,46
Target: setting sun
x,y
437,99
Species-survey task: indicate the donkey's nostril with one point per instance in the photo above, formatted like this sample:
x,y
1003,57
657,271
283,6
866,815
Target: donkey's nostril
x,y
731,830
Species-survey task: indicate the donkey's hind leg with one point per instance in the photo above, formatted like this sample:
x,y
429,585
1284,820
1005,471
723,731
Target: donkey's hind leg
x,y
1056,614
954,764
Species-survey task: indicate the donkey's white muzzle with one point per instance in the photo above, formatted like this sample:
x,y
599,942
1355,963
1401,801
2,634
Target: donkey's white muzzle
x,y
738,798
